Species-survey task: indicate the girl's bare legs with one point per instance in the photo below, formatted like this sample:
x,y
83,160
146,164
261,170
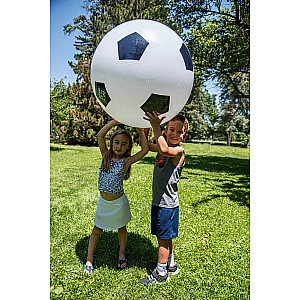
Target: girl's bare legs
x,y
94,238
122,234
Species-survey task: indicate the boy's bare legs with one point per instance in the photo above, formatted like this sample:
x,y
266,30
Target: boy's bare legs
x,y
163,254
170,246
94,238
160,273
171,261
163,251
122,234
172,266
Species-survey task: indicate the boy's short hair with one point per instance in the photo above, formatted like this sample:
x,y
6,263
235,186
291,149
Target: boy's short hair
x,y
184,121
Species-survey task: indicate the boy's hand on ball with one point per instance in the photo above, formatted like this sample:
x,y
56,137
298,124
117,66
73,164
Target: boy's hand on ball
x,y
153,118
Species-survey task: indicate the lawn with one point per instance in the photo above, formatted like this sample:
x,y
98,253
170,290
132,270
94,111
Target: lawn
x,y
213,246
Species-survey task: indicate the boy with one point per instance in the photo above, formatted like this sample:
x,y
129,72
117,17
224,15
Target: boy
x,y
165,203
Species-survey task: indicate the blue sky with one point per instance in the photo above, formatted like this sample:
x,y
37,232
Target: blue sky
x,y
62,12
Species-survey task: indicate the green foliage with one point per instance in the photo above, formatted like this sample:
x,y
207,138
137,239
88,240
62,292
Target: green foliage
x,y
236,126
217,35
101,17
59,110
213,247
202,113
75,116
86,115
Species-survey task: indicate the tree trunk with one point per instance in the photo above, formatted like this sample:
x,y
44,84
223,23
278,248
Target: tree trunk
x,y
248,143
229,136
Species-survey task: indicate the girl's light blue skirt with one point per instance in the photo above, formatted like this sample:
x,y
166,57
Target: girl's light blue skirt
x,y
112,214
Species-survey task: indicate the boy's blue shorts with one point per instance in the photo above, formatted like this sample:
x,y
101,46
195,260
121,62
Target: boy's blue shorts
x,y
164,222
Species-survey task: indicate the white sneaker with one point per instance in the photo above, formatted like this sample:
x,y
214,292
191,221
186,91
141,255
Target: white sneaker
x,y
173,270
154,277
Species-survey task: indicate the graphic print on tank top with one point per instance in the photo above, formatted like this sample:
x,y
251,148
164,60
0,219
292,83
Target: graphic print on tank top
x,y
160,160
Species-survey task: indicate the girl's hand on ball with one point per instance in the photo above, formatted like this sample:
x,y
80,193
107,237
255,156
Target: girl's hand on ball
x,y
146,131
115,122
140,130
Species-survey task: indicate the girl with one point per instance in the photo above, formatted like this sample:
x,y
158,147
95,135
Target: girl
x,y
113,211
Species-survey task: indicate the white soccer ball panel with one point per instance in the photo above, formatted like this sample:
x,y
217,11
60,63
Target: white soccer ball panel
x,y
155,67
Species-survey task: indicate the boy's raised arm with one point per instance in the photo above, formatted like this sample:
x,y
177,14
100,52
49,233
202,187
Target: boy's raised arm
x,y
162,144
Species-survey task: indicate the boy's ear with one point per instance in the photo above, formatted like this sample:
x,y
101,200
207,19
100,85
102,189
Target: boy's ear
x,y
185,137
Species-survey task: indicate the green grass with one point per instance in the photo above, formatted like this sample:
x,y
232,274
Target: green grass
x,y
213,247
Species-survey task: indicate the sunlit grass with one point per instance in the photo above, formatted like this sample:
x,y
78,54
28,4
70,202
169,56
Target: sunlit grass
x,y
212,249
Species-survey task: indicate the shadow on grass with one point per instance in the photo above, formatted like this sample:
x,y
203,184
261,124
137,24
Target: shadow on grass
x,y
237,190
236,187
237,166
54,148
140,251
237,184
232,165
61,147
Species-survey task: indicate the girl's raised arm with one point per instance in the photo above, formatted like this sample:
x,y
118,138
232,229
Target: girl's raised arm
x,y
102,133
139,155
152,147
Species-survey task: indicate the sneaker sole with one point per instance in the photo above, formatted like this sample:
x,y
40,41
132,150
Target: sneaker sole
x,y
157,282
174,273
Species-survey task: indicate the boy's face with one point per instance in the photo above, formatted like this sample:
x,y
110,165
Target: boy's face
x,y
175,133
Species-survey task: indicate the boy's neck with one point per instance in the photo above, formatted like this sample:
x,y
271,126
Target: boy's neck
x,y
172,145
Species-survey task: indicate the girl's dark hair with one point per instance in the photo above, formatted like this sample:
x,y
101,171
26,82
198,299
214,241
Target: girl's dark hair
x,y
110,154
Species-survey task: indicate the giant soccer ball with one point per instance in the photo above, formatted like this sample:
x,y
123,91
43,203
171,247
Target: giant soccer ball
x,y
139,66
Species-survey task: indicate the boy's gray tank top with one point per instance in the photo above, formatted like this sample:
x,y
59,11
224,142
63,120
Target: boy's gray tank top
x,y
165,182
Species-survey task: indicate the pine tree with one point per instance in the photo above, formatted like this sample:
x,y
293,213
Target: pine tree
x,y
86,115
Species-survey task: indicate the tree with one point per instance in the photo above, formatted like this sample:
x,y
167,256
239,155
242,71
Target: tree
x,y
103,15
218,35
86,115
233,124
237,109
59,110
100,17
212,117
202,113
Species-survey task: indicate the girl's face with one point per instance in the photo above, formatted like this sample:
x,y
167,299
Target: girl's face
x,y
175,133
120,145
